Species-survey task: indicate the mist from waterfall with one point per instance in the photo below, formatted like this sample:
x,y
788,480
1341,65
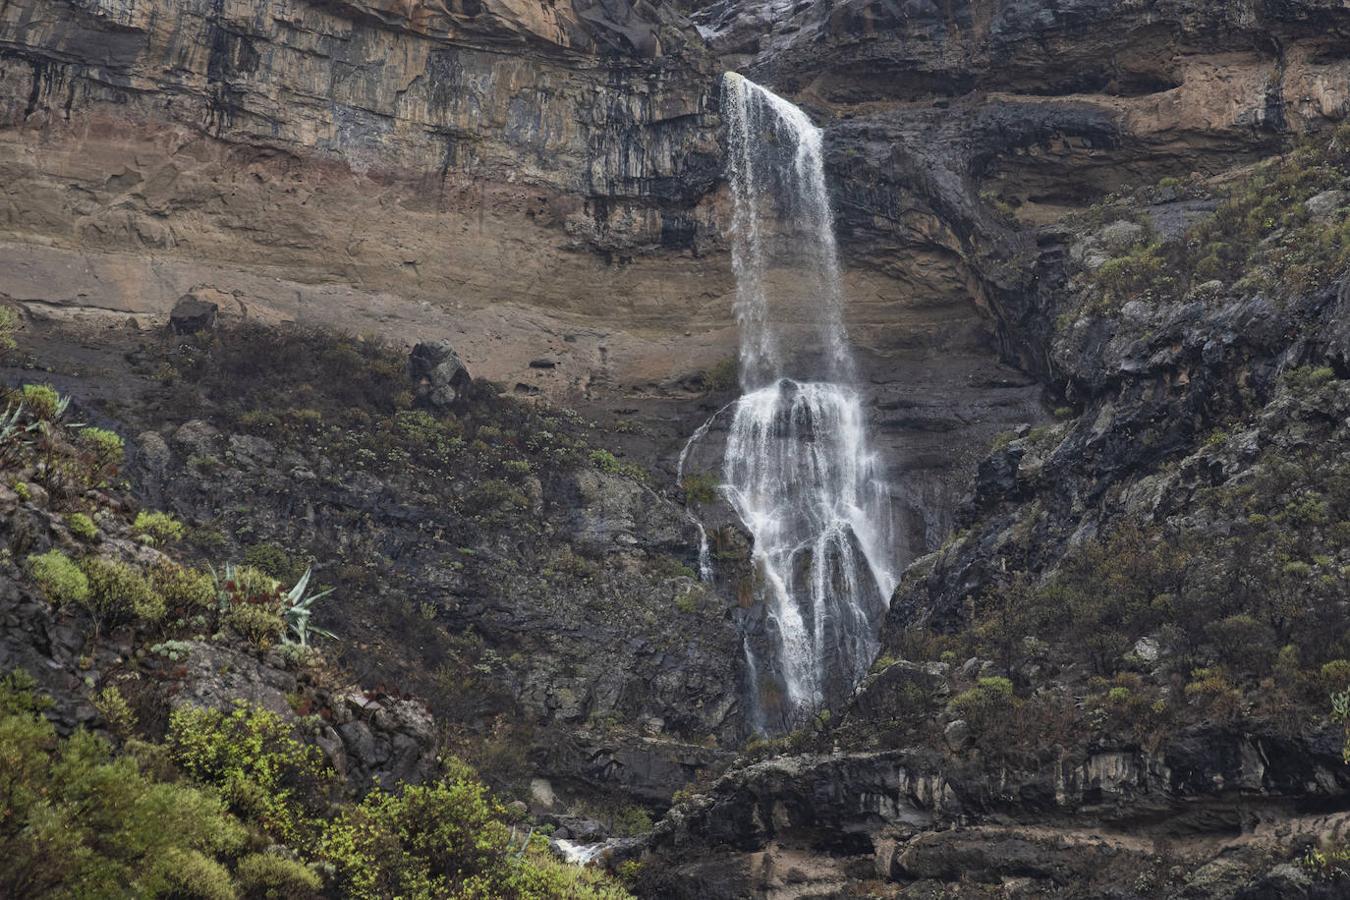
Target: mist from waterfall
x,y
797,468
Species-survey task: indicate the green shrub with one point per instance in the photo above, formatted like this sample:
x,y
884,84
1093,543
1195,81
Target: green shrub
x,y
19,694
687,601
497,497
268,876
274,560
60,578
103,445
23,491
42,401
159,526
700,487
9,326
1142,273
79,823
605,461
448,838
1336,675
191,875
989,693
262,771
1306,379
119,593
184,590
116,712
1214,693
417,843
247,585
82,526
608,462
259,625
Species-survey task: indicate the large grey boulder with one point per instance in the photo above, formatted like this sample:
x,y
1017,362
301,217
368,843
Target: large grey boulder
x,y
439,376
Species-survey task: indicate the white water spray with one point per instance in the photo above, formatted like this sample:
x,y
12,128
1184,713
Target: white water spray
x,y
797,469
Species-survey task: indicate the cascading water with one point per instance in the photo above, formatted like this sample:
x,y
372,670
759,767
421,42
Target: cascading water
x,y
797,468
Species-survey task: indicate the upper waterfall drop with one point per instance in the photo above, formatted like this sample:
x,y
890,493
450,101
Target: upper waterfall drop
x,y
798,469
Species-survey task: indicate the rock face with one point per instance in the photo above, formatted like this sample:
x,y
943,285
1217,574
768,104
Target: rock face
x,y
353,162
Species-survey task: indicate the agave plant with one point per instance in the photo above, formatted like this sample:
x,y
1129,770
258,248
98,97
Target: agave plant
x,y
296,610
12,431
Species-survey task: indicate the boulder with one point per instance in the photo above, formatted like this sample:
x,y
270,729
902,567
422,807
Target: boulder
x,y
193,313
438,374
1324,205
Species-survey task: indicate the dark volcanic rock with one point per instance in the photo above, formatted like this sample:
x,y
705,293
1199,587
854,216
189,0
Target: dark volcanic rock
x,y
192,314
439,376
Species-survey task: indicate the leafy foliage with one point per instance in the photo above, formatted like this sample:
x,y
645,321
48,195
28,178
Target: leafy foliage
x,y
119,593
160,527
43,401
82,526
260,769
61,580
79,822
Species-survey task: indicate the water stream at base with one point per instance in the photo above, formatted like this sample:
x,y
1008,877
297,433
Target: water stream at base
x,y
798,469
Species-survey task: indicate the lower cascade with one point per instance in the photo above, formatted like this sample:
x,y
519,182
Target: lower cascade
x,y
798,469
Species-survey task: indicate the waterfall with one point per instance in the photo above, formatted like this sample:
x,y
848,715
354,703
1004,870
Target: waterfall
x,y
797,468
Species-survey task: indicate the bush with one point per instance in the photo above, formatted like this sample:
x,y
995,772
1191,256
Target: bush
x,y
61,580
119,593
422,842
260,626
274,561
989,709
1336,675
1306,379
267,876
700,487
103,445
448,838
261,770
191,875
116,712
9,326
42,401
79,823
82,526
185,591
160,527
1215,694
606,461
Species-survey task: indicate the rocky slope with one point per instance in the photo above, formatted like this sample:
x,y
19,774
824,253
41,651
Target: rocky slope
x,y
1114,679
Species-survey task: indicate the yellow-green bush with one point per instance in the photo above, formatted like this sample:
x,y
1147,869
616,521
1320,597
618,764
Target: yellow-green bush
x,y
158,526
41,400
260,626
59,577
119,593
262,771
82,526
269,876
9,326
80,823
184,590
116,712
104,446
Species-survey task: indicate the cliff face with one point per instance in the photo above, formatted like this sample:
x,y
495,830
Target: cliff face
x,y
407,168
